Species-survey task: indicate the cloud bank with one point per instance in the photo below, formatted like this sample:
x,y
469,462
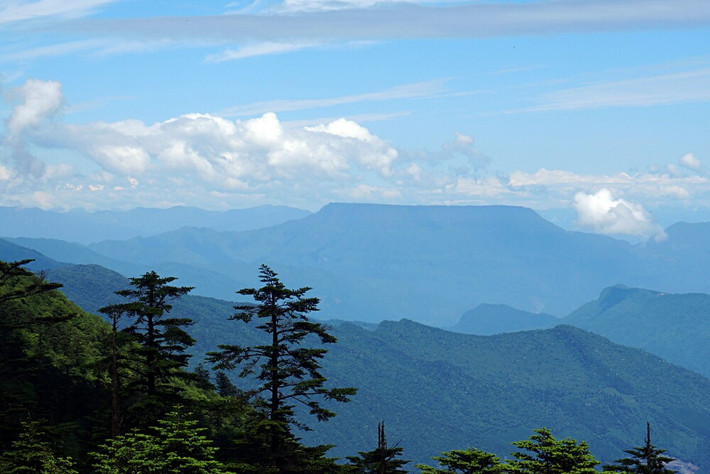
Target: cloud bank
x,y
210,161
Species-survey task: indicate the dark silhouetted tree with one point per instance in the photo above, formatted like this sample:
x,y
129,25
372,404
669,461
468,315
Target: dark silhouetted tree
x,y
158,355
382,460
646,459
288,371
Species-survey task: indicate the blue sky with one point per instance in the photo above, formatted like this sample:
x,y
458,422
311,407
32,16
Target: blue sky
x,y
599,109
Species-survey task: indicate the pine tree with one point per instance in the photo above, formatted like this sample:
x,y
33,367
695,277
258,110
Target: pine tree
x,y
158,354
382,460
289,372
646,459
551,456
464,461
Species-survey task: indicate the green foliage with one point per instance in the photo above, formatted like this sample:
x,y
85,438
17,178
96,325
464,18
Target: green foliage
x,y
32,454
17,282
381,460
175,445
646,459
548,455
159,353
48,354
464,461
288,372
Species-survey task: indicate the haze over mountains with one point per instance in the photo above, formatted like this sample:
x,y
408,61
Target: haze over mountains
x,y
426,263
439,390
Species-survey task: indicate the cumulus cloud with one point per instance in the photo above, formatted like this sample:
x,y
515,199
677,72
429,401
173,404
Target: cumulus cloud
x,y
213,151
38,101
605,214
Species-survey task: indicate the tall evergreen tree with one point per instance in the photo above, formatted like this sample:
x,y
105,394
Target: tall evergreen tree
x,y
382,460
289,372
547,455
159,353
646,459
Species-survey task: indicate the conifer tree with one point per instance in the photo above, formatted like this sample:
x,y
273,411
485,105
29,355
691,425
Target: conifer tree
x,y
382,460
464,461
547,455
175,445
288,372
159,355
646,459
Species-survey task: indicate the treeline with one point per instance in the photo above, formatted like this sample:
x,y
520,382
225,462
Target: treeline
x,y
78,394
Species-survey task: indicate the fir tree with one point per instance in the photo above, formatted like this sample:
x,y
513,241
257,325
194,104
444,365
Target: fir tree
x,y
646,459
382,460
159,355
289,372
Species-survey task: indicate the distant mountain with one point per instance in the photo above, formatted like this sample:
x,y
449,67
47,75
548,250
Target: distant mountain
x,y
673,326
429,263
11,252
489,319
86,227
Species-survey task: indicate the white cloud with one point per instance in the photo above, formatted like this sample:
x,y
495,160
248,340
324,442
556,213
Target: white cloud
x,y
603,213
259,49
693,163
39,100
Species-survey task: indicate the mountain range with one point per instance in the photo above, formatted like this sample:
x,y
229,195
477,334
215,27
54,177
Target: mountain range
x,y
426,263
439,390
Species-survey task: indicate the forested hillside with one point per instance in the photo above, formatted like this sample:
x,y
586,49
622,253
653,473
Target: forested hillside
x,y
439,390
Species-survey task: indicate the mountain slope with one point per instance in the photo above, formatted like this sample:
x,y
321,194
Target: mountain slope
x,y
438,391
673,326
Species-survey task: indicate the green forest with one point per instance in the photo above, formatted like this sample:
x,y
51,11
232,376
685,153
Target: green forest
x,y
119,393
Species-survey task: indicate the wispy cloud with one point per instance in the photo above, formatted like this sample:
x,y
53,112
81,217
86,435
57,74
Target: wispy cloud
x,y
477,20
259,49
22,10
405,91
683,86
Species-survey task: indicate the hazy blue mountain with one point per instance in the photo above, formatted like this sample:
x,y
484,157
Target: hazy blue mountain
x,y
10,252
437,390
429,263
86,227
673,326
489,319
426,263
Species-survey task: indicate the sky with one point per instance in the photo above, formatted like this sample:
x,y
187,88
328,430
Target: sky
x,y
594,112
